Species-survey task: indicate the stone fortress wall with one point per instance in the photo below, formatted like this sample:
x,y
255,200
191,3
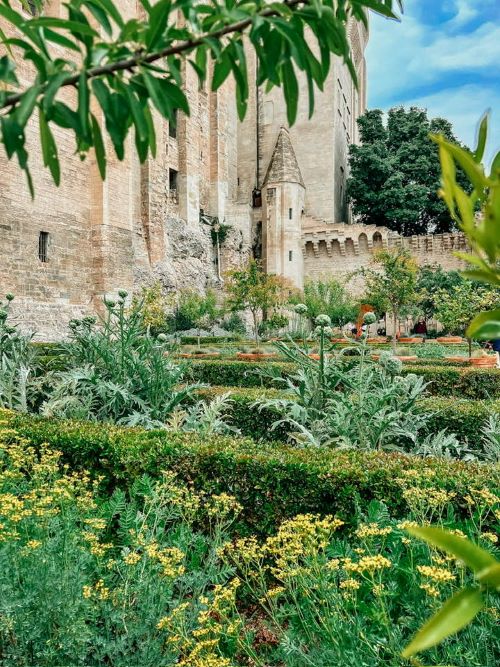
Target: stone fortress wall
x,y
340,250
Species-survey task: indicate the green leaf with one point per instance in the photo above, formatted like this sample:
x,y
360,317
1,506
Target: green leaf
x,y
222,68
291,91
151,130
53,36
485,326
26,105
100,151
75,27
490,576
83,103
12,135
455,614
481,138
140,123
111,9
7,71
158,21
51,91
476,558
100,16
49,148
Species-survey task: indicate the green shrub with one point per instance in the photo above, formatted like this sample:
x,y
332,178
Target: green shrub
x,y
467,382
272,482
464,417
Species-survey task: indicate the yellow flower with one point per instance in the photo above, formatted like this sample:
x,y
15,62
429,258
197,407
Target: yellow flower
x,y
491,537
438,574
372,530
33,544
132,558
430,590
350,584
367,564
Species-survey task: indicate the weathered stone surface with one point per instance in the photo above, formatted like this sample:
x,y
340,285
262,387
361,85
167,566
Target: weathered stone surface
x,y
143,222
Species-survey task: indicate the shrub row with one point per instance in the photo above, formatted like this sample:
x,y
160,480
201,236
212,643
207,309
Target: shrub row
x,y
272,482
468,382
461,416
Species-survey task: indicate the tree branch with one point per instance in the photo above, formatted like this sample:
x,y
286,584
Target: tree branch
x,y
141,59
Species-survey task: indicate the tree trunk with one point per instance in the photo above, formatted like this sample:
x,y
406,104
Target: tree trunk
x,y
469,343
255,327
395,329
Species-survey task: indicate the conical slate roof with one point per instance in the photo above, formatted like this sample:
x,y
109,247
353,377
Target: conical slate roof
x,y
283,167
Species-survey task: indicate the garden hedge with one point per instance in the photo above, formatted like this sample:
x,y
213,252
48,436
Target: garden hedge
x,y
461,416
467,382
272,482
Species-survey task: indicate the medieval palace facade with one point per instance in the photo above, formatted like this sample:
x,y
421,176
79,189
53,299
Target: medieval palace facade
x,y
278,193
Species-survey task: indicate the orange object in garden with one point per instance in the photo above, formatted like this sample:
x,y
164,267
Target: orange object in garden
x,y
363,309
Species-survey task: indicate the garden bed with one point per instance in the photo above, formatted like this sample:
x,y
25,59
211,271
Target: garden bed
x,y
445,380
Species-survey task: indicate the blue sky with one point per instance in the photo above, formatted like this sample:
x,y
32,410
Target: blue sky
x,y
444,56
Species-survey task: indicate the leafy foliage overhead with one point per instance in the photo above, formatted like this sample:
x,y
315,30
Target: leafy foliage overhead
x,y
395,172
121,69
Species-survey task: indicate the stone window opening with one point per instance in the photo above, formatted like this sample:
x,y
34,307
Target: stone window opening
x,y
172,126
290,213
290,255
172,185
43,247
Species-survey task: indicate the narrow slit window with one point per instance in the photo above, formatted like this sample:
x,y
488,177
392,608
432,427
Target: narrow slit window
x,y
290,213
290,255
43,246
172,126
172,180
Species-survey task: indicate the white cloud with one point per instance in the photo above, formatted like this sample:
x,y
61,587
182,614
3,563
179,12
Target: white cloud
x,y
465,12
448,53
410,54
464,106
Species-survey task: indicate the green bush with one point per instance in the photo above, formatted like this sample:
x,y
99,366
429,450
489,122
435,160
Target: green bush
x,y
272,482
467,382
461,416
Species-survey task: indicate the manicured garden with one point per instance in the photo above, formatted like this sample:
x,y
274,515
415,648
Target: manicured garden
x,y
160,510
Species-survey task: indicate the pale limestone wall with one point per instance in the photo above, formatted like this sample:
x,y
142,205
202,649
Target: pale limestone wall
x,y
129,230
341,250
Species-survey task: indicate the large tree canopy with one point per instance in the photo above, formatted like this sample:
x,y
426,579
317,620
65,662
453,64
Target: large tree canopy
x,y
395,172
133,66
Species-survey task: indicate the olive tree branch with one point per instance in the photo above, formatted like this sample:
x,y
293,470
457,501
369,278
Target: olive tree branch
x,y
140,58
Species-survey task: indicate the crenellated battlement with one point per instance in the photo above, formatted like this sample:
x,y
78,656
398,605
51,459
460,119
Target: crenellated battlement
x,y
341,249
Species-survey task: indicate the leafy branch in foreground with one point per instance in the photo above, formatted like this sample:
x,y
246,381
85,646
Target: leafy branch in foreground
x,y
461,609
483,231
139,66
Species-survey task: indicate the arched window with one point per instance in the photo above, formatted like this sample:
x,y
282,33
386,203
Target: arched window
x,y
377,240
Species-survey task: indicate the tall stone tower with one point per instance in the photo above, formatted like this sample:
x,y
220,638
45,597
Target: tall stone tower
x,y
312,154
282,212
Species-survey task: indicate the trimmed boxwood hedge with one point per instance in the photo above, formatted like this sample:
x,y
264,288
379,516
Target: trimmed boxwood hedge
x,y
468,382
461,416
272,482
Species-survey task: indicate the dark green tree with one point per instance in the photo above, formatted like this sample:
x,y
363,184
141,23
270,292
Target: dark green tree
x,y
395,172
